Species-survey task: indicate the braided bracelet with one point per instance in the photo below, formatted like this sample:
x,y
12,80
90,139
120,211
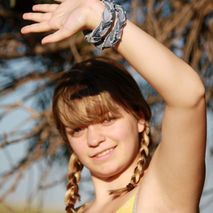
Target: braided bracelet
x,y
100,36
115,35
98,33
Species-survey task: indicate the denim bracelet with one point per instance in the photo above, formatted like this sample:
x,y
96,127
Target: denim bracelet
x,y
100,32
115,35
101,36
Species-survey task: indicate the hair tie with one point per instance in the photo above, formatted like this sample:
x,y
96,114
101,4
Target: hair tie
x,y
130,187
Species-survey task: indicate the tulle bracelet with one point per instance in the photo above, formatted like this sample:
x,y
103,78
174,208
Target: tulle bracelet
x,y
104,36
100,32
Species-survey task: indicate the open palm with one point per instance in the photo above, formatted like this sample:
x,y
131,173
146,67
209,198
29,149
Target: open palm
x,y
66,18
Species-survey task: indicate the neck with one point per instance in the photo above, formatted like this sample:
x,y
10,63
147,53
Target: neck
x,y
102,186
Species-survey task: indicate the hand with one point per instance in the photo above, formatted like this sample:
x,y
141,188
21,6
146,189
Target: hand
x,y
66,18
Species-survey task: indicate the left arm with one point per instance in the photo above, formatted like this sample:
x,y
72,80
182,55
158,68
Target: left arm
x,y
178,163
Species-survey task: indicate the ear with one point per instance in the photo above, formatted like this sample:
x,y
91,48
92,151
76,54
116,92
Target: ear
x,y
141,125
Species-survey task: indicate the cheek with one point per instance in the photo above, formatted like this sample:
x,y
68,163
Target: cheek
x,y
128,130
126,137
78,147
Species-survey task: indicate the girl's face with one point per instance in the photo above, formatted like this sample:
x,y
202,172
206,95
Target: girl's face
x,y
107,148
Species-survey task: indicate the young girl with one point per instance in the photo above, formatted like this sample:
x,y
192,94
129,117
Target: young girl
x,y
103,117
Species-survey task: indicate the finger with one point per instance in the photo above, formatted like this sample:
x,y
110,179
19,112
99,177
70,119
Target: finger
x,y
46,8
37,17
36,28
59,0
57,36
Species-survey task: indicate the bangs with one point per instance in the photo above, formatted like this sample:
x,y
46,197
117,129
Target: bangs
x,y
79,112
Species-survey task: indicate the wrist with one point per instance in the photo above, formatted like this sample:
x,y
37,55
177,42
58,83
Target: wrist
x,y
109,31
95,14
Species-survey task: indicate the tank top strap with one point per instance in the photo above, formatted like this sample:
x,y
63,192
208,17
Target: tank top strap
x,y
135,202
130,205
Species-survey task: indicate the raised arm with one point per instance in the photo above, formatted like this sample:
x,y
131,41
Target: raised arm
x,y
151,59
178,163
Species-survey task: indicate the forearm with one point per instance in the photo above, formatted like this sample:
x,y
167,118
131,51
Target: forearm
x,y
174,80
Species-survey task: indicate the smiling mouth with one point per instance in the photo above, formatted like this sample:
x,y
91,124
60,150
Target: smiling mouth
x,y
104,152
101,154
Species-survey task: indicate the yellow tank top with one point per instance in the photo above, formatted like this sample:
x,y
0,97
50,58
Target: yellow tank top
x,y
129,206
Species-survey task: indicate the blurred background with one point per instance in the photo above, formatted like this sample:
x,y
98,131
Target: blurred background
x,y
33,158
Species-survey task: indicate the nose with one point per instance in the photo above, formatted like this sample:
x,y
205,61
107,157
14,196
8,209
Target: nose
x,y
95,135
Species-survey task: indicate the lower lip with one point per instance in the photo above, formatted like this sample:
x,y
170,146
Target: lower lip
x,y
105,156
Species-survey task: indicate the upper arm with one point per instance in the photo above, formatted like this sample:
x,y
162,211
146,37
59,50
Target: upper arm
x,y
179,161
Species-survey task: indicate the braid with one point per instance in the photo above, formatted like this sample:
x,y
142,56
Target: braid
x,y
141,164
73,176
144,154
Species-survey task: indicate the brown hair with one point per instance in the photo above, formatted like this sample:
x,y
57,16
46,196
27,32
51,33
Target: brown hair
x,y
83,96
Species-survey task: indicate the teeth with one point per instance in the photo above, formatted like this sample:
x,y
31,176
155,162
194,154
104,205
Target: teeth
x,y
104,153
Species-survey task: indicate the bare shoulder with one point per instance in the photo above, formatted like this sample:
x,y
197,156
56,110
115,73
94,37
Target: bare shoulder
x,y
176,173
153,196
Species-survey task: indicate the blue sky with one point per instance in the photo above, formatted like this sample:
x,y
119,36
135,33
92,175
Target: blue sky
x,y
54,197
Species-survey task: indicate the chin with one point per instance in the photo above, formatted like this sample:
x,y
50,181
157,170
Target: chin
x,y
107,173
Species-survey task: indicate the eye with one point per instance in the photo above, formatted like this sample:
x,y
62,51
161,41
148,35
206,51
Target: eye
x,y
108,120
76,132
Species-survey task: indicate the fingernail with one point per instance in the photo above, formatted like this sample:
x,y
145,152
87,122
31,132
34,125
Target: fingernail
x,y
34,7
24,16
43,41
22,30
